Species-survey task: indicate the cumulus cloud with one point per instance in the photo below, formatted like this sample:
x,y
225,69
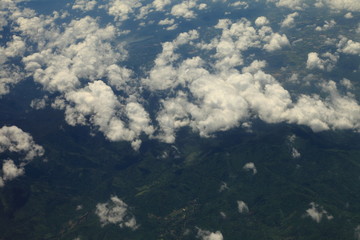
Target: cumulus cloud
x,y
14,140
98,105
250,166
349,5
184,9
242,207
289,21
116,212
261,21
317,213
348,46
84,5
121,9
327,25
292,4
207,235
327,62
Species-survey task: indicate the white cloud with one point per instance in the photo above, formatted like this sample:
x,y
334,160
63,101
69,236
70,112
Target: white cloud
x,y
116,212
261,21
327,63
84,5
348,46
349,5
327,25
207,235
14,140
276,42
250,166
97,104
289,21
292,4
11,171
242,207
121,9
160,4
317,213
184,9
348,15
166,21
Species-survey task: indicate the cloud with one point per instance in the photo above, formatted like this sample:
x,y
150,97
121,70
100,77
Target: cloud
x,y
98,105
242,207
11,171
289,21
327,63
328,25
349,5
116,212
84,5
317,213
14,140
292,4
207,235
121,9
261,21
184,9
250,166
348,46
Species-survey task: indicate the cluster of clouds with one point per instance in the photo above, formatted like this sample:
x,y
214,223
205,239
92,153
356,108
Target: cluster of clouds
x,y
216,89
317,213
116,212
348,5
207,235
15,141
326,62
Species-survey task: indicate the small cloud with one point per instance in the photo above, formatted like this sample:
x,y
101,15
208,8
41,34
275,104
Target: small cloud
x,y
117,212
317,213
261,21
348,15
207,235
250,166
289,21
242,207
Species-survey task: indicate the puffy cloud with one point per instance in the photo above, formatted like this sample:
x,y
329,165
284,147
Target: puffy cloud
x,y
242,207
348,15
261,21
348,46
292,4
276,42
96,104
207,235
184,9
166,21
250,166
39,103
116,212
160,4
317,213
9,76
82,51
327,64
11,171
121,9
289,21
14,140
328,25
84,5
349,5
240,4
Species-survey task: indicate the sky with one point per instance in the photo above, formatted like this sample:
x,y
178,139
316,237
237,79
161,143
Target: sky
x,y
209,71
